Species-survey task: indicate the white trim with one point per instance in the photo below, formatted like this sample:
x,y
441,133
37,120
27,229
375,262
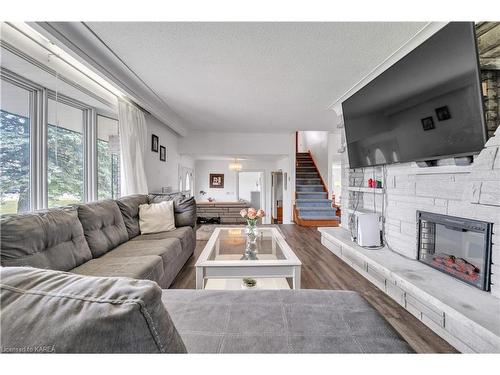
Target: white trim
x,y
81,43
38,112
288,267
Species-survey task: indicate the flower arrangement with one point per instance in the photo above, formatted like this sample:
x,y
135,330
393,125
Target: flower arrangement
x,y
249,283
252,215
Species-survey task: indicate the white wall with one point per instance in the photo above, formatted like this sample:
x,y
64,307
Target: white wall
x,y
335,165
317,143
286,165
234,144
249,182
159,173
203,168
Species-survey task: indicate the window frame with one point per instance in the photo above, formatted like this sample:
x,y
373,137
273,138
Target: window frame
x,y
95,162
37,100
88,130
38,109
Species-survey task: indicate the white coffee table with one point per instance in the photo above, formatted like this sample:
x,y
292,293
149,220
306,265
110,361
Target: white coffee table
x,y
223,259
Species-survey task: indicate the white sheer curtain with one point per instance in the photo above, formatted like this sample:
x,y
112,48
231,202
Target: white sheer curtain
x,y
133,133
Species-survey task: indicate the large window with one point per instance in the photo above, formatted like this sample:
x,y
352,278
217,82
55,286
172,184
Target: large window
x,y
14,149
65,151
54,150
108,158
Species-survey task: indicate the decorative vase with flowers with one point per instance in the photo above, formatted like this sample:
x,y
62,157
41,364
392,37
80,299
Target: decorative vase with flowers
x,y
252,216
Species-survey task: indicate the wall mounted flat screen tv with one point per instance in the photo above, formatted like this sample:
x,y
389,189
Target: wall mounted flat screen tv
x,y
426,106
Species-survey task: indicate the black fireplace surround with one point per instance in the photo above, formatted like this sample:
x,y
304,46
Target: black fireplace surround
x,y
456,246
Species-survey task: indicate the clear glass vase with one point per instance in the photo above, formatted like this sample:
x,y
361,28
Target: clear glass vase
x,y
252,233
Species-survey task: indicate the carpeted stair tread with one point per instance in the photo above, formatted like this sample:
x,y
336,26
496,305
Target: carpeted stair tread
x,y
308,181
321,194
320,218
313,200
310,188
326,208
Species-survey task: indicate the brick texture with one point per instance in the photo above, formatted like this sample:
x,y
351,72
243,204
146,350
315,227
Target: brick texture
x,y
471,192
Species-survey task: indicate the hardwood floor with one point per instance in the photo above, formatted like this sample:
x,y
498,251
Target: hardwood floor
x,y
322,269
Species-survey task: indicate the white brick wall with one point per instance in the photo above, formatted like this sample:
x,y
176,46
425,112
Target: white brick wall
x,y
470,192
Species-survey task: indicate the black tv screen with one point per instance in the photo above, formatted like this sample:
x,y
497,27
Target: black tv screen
x,y
426,106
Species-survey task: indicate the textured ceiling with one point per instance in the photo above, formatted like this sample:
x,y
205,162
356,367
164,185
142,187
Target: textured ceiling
x,y
253,76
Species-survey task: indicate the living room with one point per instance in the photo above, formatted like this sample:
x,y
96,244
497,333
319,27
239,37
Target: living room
x,y
286,185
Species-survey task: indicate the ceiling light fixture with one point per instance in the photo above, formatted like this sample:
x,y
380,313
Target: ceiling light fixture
x,y
236,166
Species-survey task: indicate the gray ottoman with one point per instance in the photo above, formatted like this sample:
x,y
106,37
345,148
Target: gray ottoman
x,y
281,321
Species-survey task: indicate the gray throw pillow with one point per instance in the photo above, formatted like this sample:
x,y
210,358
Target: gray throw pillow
x,y
185,212
129,207
184,209
53,311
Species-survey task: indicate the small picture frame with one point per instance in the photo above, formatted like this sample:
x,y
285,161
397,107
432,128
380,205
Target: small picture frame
x,y
163,153
443,113
155,141
428,123
216,181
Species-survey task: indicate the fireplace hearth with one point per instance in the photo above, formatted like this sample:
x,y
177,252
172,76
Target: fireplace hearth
x,y
456,246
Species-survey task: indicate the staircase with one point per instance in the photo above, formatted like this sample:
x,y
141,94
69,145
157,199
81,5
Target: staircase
x,y
312,206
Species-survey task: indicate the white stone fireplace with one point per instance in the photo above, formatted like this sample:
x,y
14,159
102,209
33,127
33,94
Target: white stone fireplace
x,y
471,323
471,192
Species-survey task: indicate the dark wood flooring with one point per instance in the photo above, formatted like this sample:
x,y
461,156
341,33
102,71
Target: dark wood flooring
x,y
321,269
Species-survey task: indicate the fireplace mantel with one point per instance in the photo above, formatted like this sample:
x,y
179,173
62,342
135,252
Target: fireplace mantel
x,y
427,293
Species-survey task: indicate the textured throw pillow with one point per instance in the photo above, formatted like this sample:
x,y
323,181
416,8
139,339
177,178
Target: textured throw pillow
x,y
156,217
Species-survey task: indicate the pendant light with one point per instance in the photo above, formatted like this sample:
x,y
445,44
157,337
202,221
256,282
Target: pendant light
x,y
235,166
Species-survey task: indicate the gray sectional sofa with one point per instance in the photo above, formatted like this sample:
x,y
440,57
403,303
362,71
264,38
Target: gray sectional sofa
x,y
53,311
83,279
100,239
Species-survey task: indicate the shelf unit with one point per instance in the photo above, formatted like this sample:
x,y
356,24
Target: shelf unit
x,y
362,210
366,189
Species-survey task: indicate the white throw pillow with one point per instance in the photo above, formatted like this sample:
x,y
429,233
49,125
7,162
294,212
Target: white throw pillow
x,y
156,217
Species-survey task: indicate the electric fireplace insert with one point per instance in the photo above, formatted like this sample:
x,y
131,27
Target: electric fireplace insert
x,y
456,246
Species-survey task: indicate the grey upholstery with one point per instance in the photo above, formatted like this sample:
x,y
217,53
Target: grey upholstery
x,y
169,249
103,226
93,239
47,239
186,235
129,207
185,212
285,321
184,209
147,267
53,311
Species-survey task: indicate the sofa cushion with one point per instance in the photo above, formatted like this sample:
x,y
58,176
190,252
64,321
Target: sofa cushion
x,y
186,235
169,249
47,239
184,209
148,267
59,312
280,321
156,217
129,207
185,212
103,226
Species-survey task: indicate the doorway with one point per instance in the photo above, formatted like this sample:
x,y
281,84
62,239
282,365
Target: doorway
x,y
250,188
277,197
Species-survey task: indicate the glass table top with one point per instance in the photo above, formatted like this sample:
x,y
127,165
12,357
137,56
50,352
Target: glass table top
x,y
230,245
